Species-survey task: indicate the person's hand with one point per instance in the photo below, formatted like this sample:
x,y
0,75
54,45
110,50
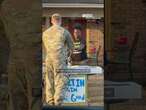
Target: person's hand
x,y
82,47
69,61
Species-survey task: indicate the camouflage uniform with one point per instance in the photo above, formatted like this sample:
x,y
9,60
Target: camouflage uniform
x,y
56,41
22,21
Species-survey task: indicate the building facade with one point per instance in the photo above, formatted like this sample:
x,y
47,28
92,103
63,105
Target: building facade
x,y
90,14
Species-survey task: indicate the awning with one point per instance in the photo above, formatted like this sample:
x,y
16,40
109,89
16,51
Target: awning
x,y
73,3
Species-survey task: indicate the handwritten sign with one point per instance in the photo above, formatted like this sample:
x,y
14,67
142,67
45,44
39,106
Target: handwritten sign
x,y
76,90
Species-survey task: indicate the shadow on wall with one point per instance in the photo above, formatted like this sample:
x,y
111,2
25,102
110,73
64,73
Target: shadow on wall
x,y
4,53
1,2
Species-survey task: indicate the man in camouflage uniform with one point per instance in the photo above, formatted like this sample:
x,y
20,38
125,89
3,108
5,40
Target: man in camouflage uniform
x,y
22,23
56,41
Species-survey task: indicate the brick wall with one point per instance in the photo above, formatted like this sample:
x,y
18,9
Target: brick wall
x,y
95,90
126,18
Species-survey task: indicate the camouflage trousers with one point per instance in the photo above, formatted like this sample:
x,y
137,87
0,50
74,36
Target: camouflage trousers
x,y
55,84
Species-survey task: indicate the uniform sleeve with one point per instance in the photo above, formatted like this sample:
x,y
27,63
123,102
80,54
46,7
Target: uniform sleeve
x,y
69,40
44,41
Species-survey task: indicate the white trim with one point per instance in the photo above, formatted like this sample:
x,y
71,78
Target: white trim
x,y
71,5
85,70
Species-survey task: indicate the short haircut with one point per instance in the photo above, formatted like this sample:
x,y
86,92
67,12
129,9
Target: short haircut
x,y
77,26
56,16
